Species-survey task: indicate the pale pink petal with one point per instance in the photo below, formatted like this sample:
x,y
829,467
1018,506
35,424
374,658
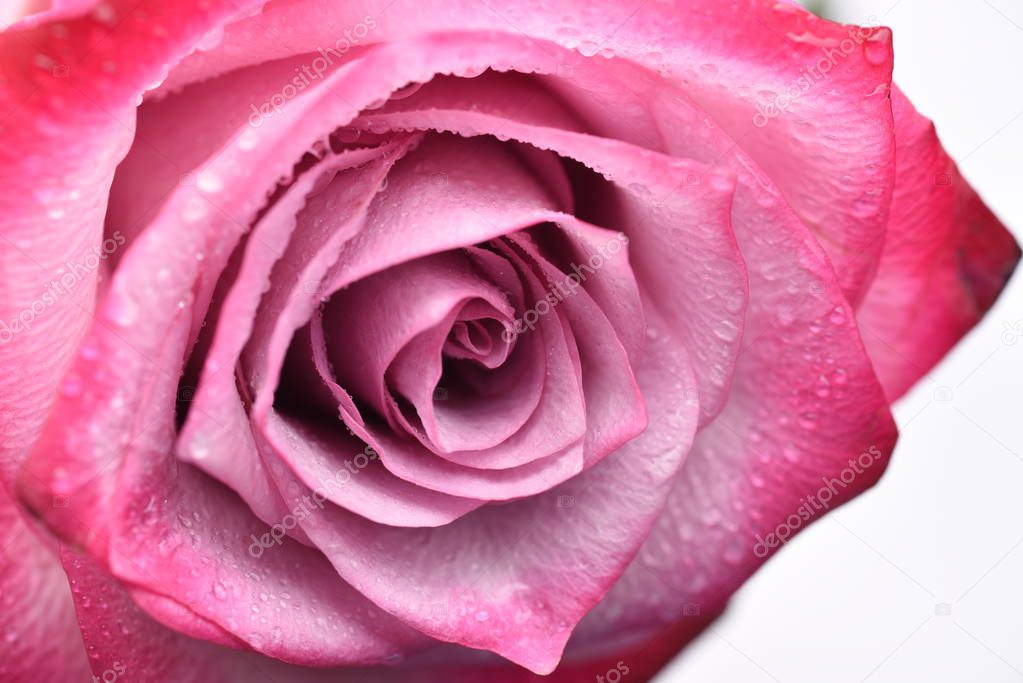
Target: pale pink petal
x,y
216,435
330,461
690,269
371,322
615,410
515,578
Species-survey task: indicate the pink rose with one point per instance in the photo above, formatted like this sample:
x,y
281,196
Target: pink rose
x,y
446,340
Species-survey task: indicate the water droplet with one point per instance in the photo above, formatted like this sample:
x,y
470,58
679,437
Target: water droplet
x,y
248,140
122,311
195,211
209,182
877,52
727,330
105,14
211,40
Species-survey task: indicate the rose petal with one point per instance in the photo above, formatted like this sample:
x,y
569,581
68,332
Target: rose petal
x,y
829,148
514,579
374,319
803,402
556,428
216,436
326,459
945,260
37,623
122,637
672,254
615,410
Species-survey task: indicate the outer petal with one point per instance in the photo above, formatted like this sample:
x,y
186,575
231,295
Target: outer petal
x,y
111,433
946,259
24,13
67,124
39,638
123,638
804,401
125,642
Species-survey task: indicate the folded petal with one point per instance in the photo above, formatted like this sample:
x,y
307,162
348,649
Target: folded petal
x,y
215,435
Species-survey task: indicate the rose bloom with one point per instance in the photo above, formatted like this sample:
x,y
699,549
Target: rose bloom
x,y
445,340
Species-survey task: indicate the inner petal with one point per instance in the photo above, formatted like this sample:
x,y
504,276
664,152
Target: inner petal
x,y
478,339
386,335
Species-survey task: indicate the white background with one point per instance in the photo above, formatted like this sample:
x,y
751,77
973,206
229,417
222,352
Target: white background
x,y
920,579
